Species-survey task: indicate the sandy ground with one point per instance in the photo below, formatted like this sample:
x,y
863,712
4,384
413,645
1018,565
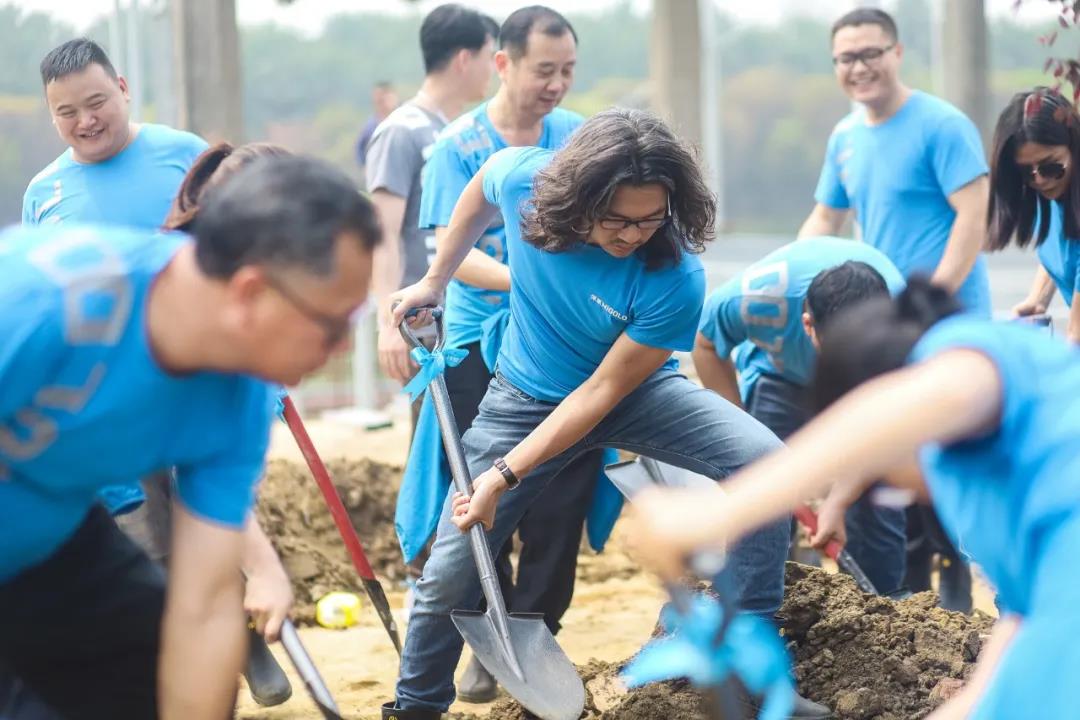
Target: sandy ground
x,y
613,613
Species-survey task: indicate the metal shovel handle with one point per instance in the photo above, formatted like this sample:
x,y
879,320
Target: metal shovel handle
x,y
305,668
459,470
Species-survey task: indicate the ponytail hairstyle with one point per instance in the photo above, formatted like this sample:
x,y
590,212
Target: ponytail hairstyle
x,y
1043,116
875,337
209,169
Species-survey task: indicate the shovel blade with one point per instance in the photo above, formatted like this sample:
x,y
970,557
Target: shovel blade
x,y
632,476
551,688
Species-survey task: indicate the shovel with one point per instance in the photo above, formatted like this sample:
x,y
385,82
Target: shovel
x,y
632,475
518,649
305,668
344,525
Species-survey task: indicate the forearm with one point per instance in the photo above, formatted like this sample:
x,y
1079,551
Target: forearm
x,y
961,251
1042,287
822,221
386,268
1072,332
482,271
717,374
258,552
470,218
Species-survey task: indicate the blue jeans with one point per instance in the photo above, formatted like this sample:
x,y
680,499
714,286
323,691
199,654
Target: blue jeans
x,y
668,418
876,535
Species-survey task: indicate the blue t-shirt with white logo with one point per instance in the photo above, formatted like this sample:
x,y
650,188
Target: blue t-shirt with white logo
x,y
1060,255
86,406
1009,498
135,187
568,308
898,176
461,150
758,313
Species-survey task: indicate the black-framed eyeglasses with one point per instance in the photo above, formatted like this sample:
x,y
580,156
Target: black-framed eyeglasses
x,y
1045,170
335,327
867,56
645,224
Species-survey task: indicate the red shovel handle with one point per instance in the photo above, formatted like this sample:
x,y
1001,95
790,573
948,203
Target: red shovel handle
x,y
806,516
326,485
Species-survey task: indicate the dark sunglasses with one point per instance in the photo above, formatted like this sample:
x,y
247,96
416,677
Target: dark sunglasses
x,y
334,326
1045,170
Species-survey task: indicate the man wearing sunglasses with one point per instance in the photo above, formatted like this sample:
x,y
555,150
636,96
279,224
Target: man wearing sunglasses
x,y
910,165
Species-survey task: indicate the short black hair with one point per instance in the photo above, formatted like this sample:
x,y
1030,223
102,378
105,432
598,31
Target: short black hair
x,y
72,57
450,28
284,211
868,16
515,30
842,287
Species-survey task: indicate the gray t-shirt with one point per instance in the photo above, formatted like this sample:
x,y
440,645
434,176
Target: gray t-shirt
x,y
395,156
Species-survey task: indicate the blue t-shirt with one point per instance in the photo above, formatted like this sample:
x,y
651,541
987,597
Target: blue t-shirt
x,y
461,150
758,313
1060,255
567,309
135,187
86,406
1002,497
898,176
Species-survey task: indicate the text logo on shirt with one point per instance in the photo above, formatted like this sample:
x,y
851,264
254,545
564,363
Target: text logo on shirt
x,y
608,309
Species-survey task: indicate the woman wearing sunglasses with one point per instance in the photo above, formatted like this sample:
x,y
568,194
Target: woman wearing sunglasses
x,y
1035,195
602,240
979,418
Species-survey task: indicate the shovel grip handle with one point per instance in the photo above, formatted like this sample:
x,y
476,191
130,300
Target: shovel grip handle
x,y
808,519
407,331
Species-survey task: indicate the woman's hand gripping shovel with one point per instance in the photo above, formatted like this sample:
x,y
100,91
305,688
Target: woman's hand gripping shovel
x,y
518,649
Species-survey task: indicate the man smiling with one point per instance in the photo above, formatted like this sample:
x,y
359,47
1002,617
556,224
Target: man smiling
x,y
114,171
910,165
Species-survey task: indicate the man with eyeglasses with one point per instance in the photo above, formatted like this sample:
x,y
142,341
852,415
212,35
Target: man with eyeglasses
x,y
127,351
535,63
913,169
910,165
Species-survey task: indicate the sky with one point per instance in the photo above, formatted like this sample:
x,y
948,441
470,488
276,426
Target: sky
x,y
310,15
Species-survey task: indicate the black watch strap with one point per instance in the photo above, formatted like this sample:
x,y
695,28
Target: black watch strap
x,y
511,479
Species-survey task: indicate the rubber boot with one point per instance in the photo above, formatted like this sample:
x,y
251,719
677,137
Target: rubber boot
x,y
476,685
390,712
266,680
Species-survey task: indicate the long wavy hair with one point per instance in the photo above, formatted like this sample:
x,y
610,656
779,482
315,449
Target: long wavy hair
x,y
1040,116
620,147
210,168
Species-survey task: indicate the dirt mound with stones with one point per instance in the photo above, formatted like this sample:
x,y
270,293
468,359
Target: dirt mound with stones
x,y
869,658
293,513
865,657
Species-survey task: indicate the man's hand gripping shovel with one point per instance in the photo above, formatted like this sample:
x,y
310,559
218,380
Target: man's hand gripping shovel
x,y
518,649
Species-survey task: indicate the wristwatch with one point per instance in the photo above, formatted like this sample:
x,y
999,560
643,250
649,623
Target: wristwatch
x,y
511,479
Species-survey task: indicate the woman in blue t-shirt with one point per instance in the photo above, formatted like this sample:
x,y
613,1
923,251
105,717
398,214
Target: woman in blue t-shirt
x,y
603,238
979,417
1035,195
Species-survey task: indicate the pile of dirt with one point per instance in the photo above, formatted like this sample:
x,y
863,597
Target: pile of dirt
x,y
293,513
869,658
865,657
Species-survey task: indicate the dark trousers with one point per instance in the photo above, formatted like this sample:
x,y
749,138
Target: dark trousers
x,y
927,539
79,633
550,532
876,535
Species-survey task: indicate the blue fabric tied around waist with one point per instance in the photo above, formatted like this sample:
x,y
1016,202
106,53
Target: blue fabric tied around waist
x,y
433,363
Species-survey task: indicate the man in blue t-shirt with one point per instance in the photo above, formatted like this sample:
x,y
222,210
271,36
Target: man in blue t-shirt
x,y
535,62
114,171
763,324
910,165
126,352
